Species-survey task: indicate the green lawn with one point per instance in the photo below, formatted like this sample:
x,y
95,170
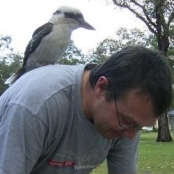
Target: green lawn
x,y
154,158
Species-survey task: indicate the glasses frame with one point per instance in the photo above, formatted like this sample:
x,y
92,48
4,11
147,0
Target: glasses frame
x,y
123,126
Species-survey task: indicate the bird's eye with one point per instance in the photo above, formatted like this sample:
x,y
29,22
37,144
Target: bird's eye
x,y
72,15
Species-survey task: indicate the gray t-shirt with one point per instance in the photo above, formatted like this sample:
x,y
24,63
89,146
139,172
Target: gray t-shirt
x,y
44,131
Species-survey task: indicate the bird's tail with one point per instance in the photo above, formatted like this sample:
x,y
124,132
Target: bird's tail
x,y
14,77
11,79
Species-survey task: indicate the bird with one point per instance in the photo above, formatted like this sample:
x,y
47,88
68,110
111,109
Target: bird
x,y
50,41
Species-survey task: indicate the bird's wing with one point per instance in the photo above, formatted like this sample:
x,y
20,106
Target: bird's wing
x,y
37,36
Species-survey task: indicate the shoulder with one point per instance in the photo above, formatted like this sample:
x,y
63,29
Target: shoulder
x,y
34,88
50,75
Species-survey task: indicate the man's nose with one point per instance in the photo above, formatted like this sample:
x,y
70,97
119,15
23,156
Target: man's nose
x,y
130,134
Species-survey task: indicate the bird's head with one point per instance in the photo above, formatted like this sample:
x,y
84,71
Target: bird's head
x,y
70,16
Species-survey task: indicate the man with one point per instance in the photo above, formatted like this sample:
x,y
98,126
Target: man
x,y
62,119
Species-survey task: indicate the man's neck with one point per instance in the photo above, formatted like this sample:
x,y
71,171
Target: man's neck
x,y
86,97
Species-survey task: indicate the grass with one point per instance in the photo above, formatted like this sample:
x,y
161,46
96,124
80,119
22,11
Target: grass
x,y
154,158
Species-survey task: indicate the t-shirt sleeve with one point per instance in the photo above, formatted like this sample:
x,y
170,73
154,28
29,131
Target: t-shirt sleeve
x,y
22,137
123,157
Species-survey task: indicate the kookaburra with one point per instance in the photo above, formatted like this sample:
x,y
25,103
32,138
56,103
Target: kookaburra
x,y
50,40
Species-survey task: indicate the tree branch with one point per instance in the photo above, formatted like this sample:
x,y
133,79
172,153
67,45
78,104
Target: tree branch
x,y
145,12
171,17
138,15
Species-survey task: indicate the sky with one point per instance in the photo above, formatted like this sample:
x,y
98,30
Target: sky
x,y
19,19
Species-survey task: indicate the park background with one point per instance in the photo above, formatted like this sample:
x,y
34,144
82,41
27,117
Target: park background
x,y
118,23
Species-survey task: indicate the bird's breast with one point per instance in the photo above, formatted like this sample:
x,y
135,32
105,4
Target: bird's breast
x,y
51,48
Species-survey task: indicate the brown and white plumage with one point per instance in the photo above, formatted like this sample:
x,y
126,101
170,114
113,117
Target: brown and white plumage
x,y
50,40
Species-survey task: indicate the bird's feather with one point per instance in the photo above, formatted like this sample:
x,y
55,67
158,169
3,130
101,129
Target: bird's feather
x,y
37,36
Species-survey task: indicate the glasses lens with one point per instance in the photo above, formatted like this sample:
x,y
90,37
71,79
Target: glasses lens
x,y
126,126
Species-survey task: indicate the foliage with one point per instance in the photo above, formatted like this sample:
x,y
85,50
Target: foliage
x,y
9,61
72,56
157,15
123,37
104,49
7,68
5,43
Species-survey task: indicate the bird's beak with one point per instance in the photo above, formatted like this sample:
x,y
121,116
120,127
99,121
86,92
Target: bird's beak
x,y
86,25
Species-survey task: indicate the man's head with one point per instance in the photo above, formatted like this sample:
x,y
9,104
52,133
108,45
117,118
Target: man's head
x,y
136,67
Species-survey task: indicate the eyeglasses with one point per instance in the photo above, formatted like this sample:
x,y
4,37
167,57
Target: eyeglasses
x,y
126,126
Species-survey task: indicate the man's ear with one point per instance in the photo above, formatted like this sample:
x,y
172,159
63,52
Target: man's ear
x,y
101,86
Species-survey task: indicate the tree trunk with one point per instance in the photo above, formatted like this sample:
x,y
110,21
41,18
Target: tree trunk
x,y
163,129
163,126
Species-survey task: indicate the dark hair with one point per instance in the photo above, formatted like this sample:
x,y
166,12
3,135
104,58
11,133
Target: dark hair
x,y
137,67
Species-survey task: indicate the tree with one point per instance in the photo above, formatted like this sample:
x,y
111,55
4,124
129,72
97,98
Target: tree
x,y
104,49
5,43
123,37
158,16
72,56
9,61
